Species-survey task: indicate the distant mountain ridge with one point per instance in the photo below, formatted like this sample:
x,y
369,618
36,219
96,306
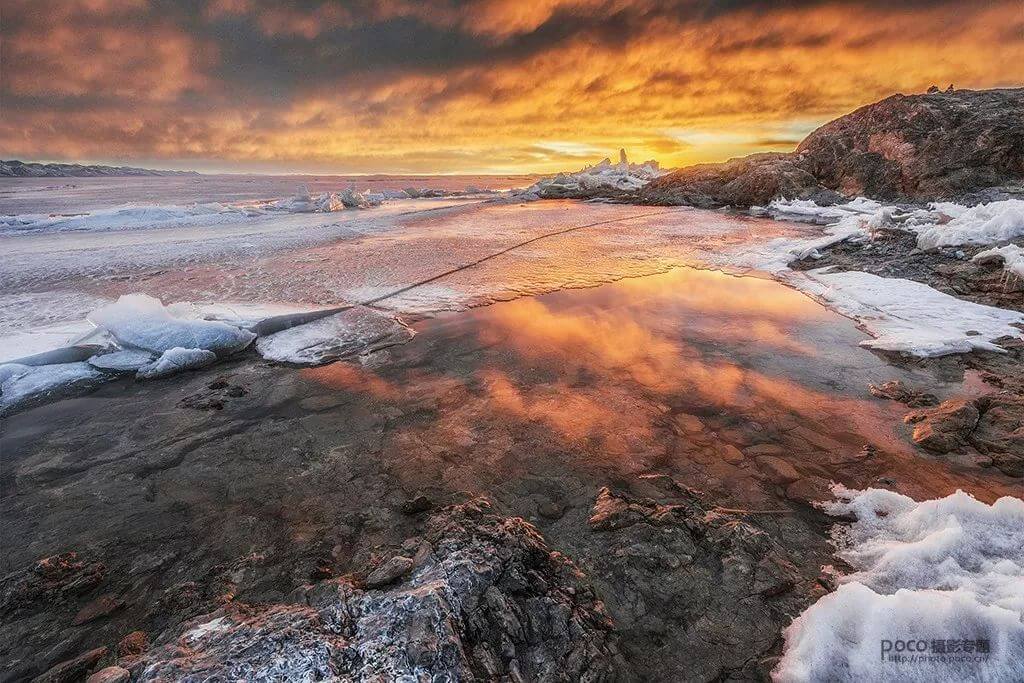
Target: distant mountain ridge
x,y
21,169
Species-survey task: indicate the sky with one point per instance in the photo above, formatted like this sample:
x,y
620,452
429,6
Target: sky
x,y
468,86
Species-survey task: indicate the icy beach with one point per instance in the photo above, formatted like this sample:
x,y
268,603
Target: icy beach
x,y
461,304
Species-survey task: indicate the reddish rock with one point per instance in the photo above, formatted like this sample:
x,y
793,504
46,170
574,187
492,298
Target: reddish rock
x,y
134,643
72,669
763,449
809,490
777,470
946,427
111,674
731,454
102,606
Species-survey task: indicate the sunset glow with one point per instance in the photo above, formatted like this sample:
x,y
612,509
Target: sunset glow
x,y
482,86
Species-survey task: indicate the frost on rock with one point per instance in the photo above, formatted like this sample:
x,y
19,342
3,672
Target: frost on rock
x,y
121,361
605,176
950,569
910,317
22,386
138,321
349,333
1010,255
176,360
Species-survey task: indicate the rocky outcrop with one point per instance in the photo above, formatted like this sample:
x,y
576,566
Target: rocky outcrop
x,y
21,169
944,428
939,145
483,598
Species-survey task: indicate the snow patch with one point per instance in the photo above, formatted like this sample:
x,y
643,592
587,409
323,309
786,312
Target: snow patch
x,y
1010,255
910,317
121,361
945,569
978,225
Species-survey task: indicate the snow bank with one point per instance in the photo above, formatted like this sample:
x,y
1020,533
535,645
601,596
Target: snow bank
x,y
603,176
910,317
22,386
141,322
978,225
927,573
349,333
176,360
1010,255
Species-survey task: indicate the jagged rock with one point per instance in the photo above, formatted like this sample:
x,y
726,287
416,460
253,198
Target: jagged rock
x,y
52,579
913,147
809,490
72,669
133,644
489,601
945,427
896,390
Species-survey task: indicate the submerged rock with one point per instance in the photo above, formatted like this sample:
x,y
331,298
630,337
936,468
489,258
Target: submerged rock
x,y
947,145
896,390
488,601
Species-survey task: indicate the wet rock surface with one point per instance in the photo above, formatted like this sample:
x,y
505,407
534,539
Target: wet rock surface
x,y
958,145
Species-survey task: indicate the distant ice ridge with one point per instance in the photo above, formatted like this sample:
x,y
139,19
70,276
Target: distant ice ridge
x,y
134,217
605,175
936,574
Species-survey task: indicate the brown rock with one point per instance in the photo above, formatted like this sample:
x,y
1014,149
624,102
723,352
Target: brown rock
x,y
763,449
100,607
111,674
809,490
550,510
72,669
390,571
688,424
134,643
901,393
945,427
777,470
730,454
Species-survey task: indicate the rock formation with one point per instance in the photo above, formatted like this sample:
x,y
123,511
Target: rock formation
x,y
948,145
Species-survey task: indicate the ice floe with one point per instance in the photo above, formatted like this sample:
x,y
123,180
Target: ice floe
x,y
173,361
935,574
352,332
22,386
909,317
121,361
142,322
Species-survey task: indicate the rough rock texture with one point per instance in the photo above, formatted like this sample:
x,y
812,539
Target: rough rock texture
x,y
487,600
945,145
896,390
707,588
946,427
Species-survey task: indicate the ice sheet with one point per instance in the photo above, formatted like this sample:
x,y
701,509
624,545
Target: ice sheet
x,y
22,386
173,361
950,569
353,332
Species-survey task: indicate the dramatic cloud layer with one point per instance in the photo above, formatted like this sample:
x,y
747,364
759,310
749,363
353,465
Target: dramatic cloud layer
x,y
474,85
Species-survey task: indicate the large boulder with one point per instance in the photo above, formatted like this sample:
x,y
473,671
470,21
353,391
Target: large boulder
x,y
940,145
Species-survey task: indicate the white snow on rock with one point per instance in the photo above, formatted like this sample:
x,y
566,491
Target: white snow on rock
x,y
909,317
121,361
352,332
176,360
142,322
1010,255
23,385
950,569
979,225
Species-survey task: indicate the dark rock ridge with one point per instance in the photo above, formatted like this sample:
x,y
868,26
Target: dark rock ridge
x,y
965,145
483,598
22,169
